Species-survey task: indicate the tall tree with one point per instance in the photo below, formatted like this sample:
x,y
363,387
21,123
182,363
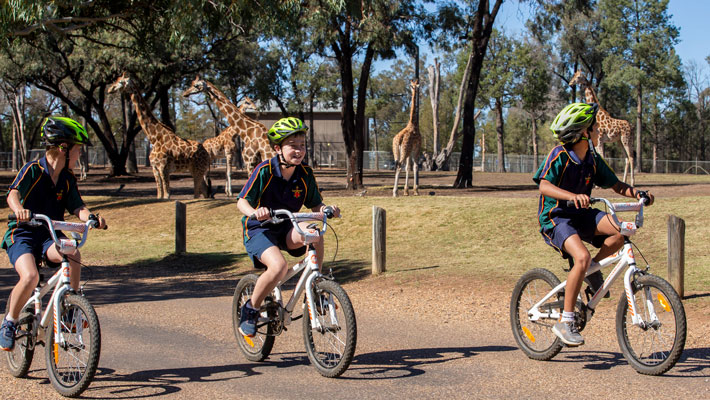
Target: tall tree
x,y
639,39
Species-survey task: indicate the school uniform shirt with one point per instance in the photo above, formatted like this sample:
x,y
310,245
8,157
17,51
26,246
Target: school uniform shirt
x,y
267,187
564,169
41,196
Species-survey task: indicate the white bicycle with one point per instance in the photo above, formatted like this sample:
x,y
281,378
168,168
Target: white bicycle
x,y
650,318
329,326
69,325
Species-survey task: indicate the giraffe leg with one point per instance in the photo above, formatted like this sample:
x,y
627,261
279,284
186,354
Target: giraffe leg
x,y
228,183
397,170
158,175
165,178
415,184
406,175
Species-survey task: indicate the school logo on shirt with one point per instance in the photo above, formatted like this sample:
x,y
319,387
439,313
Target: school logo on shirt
x,y
60,195
296,192
587,179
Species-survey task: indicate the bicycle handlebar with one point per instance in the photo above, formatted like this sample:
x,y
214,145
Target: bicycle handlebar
x,y
626,227
278,216
53,226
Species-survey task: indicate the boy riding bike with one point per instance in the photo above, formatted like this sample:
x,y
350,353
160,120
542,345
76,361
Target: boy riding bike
x,y
568,174
282,182
46,186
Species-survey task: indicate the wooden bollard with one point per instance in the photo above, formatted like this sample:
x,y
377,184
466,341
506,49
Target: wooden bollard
x,y
180,228
676,253
379,240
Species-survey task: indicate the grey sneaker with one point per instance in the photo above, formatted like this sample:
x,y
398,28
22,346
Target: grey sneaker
x,y
568,333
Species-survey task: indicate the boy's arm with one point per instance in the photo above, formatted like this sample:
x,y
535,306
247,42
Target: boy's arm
x,y
628,191
261,213
13,201
548,189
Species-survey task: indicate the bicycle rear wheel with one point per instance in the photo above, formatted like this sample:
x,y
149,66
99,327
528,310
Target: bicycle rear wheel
x,y
654,347
332,346
19,358
71,367
259,347
535,338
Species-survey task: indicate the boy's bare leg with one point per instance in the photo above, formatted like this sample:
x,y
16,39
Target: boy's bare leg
x,y
575,248
612,243
74,265
276,269
29,277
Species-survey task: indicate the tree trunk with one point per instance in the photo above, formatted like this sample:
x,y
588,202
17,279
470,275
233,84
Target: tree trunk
x,y
482,28
639,105
499,135
441,160
434,75
534,140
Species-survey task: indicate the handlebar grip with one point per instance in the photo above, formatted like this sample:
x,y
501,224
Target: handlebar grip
x,y
570,203
13,217
329,212
644,195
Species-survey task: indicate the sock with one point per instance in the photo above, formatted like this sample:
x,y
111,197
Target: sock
x,y
567,316
249,305
13,320
593,264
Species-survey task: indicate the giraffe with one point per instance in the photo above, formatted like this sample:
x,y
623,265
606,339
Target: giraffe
x,y
170,152
405,146
610,129
252,133
247,104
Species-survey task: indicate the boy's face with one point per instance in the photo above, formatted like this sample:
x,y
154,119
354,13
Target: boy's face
x,y
593,132
293,148
74,153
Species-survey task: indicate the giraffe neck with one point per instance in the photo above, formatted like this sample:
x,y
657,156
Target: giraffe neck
x,y
230,111
413,106
148,122
589,94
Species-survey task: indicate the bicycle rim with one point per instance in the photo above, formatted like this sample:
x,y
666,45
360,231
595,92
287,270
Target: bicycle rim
x,y
255,348
535,338
654,348
71,367
331,346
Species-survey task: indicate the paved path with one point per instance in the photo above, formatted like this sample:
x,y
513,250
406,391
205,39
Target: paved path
x,y
183,348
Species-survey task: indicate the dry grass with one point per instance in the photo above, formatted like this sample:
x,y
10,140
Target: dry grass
x,y
481,237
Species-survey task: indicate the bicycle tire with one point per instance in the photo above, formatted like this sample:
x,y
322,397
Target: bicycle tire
x,y
68,376
263,341
329,352
19,359
535,338
645,349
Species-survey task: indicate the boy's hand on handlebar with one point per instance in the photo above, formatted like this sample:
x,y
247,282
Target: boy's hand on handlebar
x,y
23,215
580,200
334,209
261,214
640,194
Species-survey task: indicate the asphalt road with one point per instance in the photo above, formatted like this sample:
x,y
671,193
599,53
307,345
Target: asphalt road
x,y
176,342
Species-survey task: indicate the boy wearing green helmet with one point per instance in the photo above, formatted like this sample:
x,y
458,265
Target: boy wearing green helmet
x,y
46,186
283,182
568,174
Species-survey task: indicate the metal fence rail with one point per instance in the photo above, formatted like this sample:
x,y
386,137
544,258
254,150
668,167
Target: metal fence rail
x,y
384,160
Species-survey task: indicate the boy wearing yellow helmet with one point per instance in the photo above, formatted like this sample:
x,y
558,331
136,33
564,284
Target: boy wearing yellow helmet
x,y
568,174
46,186
283,182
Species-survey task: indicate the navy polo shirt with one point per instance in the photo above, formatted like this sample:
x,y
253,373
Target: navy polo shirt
x,y
564,169
266,187
41,196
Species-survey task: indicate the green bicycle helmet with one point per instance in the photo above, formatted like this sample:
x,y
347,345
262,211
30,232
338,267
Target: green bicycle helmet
x,y
284,128
57,130
571,122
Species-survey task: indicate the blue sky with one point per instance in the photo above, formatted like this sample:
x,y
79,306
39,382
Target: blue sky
x,y
691,16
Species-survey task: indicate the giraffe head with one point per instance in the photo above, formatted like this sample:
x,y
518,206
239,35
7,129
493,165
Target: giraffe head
x,y
125,82
197,86
578,79
247,104
414,84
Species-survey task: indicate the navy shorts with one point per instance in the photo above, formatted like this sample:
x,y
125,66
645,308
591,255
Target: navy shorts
x,y
274,236
584,224
34,241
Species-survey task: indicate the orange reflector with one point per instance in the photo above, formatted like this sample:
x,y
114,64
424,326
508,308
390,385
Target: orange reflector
x,y
56,354
529,334
664,302
249,341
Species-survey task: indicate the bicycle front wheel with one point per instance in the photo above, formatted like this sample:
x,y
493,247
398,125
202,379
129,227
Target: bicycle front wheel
x,y
331,346
255,348
654,346
535,337
19,358
71,366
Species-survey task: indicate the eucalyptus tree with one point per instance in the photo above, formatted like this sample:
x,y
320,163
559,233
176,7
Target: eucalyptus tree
x,y
638,40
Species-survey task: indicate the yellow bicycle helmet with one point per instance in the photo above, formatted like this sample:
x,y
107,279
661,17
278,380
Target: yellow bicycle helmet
x,y
572,121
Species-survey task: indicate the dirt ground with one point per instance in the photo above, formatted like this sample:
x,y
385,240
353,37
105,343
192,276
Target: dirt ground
x,y
377,183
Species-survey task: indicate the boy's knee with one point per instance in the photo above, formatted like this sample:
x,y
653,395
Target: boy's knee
x,y
583,260
29,279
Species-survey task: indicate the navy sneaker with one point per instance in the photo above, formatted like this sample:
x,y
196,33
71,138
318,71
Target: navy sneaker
x,y
247,320
7,335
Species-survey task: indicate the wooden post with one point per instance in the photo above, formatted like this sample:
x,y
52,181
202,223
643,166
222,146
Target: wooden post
x,y
676,253
180,228
379,240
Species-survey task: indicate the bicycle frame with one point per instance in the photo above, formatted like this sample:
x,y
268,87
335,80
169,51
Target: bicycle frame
x,y
624,258
61,280
308,265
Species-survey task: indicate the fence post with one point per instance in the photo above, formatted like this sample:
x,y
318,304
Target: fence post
x,y
180,228
676,253
379,239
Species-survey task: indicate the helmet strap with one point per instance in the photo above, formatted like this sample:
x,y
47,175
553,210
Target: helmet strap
x,y
284,163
